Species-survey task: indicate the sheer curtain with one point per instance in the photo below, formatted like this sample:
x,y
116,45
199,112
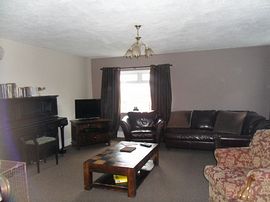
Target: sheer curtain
x,y
110,97
161,94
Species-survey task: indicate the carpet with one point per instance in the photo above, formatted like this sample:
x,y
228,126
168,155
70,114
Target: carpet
x,y
178,178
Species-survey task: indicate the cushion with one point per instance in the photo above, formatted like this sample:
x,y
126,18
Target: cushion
x,y
229,122
142,120
179,119
192,135
41,140
141,134
204,119
228,181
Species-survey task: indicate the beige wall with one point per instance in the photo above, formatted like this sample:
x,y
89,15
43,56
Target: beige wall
x,y
62,74
234,79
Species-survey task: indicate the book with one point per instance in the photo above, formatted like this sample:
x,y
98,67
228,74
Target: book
x,y
120,179
127,149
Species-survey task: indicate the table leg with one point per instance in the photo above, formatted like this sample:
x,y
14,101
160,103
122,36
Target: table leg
x,y
156,158
88,176
62,150
131,183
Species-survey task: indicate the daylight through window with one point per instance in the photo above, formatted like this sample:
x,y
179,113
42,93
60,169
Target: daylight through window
x,y
135,90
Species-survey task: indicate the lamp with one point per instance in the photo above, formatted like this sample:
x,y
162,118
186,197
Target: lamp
x,y
138,47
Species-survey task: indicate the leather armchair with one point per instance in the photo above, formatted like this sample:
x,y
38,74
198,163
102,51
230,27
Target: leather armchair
x,y
241,173
142,127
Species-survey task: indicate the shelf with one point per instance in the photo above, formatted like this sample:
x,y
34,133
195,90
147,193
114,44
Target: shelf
x,y
106,181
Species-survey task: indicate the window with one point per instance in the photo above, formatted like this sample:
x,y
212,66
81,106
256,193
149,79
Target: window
x,y
135,90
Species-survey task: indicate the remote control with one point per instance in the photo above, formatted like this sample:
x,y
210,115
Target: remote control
x,y
145,145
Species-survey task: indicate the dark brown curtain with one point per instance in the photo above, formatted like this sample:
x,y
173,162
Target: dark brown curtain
x,y
161,94
110,97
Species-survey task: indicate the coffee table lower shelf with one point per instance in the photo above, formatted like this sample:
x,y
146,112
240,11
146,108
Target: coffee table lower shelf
x,y
106,181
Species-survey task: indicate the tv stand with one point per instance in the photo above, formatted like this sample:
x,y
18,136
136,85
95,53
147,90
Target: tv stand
x,y
90,131
88,119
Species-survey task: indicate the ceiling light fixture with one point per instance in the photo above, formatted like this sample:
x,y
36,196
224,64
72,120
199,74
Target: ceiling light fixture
x,y
138,47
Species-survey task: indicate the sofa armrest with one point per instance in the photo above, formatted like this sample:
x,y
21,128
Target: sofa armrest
x,y
234,157
223,140
257,185
265,124
159,127
124,123
260,174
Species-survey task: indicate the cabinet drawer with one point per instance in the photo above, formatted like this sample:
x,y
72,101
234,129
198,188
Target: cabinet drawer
x,y
93,128
98,138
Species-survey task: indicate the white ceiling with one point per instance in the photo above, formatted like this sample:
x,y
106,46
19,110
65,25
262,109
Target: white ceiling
x,y
100,28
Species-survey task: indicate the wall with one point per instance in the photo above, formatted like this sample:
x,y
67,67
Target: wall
x,y
62,74
267,80
234,79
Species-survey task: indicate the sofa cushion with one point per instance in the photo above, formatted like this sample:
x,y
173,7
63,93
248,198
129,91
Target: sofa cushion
x,y
203,119
229,122
142,134
179,119
190,134
142,120
228,181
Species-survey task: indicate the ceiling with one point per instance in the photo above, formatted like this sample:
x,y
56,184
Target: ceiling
x,y
100,28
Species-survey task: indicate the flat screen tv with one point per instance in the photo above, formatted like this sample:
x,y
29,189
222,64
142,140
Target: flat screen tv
x,y
87,108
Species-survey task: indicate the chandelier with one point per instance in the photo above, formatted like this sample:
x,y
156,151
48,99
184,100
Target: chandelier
x,y
138,47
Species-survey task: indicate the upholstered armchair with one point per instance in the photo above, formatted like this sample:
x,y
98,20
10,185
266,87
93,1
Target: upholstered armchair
x,y
243,173
142,127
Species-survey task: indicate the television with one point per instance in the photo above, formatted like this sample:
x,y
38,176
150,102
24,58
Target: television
x,y
87,108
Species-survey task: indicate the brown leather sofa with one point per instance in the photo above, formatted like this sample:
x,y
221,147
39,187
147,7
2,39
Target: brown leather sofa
x,y
142,127
210,129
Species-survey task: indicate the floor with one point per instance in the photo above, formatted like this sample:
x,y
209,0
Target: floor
x,y
179,177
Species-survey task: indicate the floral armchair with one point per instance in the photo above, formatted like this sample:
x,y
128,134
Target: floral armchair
x,y
241,173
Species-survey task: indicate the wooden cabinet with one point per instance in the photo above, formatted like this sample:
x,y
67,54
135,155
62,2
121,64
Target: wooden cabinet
x,y
86,132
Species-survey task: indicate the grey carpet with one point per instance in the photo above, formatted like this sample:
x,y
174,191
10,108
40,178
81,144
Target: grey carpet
x,y
178,178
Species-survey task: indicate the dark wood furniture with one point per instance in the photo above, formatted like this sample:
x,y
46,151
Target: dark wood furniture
x,y
135,165
39,148
27,116
90,131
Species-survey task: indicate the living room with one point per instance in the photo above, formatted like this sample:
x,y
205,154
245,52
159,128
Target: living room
x,y
214,66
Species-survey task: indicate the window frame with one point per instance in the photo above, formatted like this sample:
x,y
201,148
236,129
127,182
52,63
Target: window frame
x,y
140,72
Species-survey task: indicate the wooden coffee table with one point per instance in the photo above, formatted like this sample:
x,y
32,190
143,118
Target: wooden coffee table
x,y
135,165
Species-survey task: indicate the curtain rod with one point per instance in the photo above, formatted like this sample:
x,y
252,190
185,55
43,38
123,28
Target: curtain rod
x,y
135,67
